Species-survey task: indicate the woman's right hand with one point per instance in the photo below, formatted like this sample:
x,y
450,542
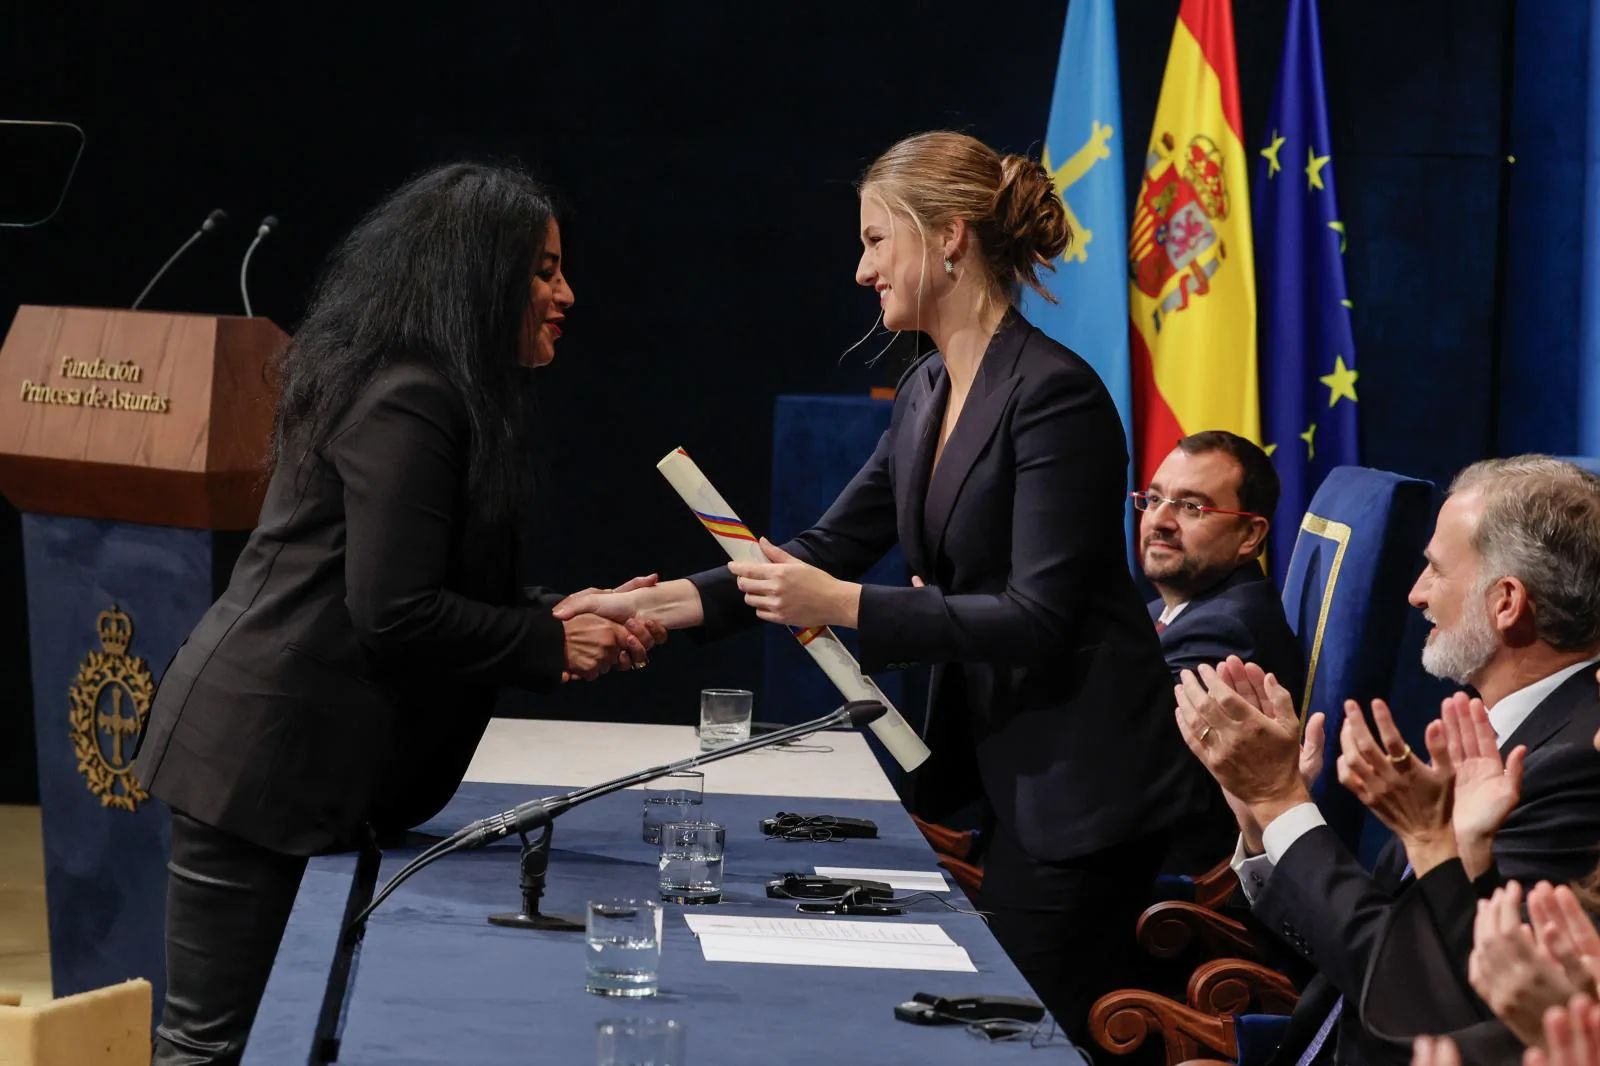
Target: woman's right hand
x,y
595,645
672,604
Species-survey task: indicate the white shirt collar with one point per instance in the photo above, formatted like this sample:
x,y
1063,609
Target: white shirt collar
x,y
1513,708
1170,612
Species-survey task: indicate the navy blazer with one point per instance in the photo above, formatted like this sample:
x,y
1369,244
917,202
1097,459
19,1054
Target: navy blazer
x,y
348,672
1049,694
1336,915
1239,615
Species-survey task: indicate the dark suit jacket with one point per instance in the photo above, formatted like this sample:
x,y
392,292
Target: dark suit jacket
x,y
1333,913
1240,615
1048,687
347,673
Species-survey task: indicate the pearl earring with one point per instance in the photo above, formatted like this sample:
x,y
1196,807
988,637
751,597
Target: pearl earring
x,y
949,267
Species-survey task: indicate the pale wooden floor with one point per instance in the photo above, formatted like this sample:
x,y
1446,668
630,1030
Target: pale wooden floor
x,y
24,936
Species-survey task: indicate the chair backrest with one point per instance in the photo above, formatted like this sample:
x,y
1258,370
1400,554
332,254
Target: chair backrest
x,y
1356,557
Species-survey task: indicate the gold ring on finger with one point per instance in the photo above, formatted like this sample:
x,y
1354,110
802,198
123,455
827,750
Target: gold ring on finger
x,y
1402,757
1206,732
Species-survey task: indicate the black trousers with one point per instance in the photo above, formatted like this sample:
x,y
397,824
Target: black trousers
x,y
228,901
1069,925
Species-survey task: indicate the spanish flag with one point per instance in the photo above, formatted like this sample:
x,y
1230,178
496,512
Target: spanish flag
x,y
1192,292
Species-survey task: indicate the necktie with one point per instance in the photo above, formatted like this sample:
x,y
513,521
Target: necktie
x,y
1161,627
1326,1029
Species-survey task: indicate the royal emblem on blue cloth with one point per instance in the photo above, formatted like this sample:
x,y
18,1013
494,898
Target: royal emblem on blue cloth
x,y
108,703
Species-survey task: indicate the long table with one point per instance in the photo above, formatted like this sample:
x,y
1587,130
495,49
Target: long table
x,y
437,984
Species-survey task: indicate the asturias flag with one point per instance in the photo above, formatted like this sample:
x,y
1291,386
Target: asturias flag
x,y
1083,153
1192,293
1308,358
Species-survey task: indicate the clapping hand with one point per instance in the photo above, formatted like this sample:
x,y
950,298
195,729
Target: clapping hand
x,y
1487,788
1411,797
1511,970
1571,1036
1565,931
1435,1051
1261,691
1252,751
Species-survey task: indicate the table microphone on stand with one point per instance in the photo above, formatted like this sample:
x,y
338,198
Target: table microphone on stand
x,y
535,814
540,814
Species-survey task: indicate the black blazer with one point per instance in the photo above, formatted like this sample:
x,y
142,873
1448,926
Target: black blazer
x,y
348,672
1333,913
1048,688
1239,615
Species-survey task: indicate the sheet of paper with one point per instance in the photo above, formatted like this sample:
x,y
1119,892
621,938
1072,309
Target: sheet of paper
x,y
779,951
899,880
821,942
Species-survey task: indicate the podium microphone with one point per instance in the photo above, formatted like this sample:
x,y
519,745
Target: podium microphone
x,y
268,224
213,220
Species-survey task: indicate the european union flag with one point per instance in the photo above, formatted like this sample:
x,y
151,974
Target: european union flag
x,y
1083,153
1308,362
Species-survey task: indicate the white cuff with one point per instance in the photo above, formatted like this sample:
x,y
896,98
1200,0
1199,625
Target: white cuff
x,y
1252,870
1288,827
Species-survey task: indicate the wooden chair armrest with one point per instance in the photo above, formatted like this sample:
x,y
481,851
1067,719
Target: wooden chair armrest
x,y
966,875
944,840
1234,986
1212,888
1166,930
1121,1021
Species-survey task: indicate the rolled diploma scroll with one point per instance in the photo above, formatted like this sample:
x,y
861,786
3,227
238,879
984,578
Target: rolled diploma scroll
x,y
834,658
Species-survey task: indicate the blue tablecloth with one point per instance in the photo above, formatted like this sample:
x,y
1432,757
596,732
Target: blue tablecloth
x,y
437,984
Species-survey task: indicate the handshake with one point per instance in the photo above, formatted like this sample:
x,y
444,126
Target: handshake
x,y
604,631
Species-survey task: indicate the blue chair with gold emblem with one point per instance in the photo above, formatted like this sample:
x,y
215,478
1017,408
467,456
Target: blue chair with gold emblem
x,y
1358,553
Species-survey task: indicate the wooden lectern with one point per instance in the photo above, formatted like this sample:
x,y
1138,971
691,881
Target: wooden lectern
x,y
135,445
137,416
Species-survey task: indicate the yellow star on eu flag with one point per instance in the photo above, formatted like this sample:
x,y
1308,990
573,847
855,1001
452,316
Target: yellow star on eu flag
x,y
1269,449
1341,383
1270,154
1311,448
1314,168
1338,227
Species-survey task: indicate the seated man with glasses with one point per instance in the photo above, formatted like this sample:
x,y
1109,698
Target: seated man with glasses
x,y
1203,524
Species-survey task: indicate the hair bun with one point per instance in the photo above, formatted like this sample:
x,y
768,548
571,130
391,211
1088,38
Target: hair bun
x,y
1029,217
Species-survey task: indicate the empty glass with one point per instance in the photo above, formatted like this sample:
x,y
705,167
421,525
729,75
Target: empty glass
x,y
724,717
691,862
624,947
640,1042
673,798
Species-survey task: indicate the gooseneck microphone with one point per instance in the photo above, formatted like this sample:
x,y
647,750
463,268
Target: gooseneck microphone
x,y
268,224
213,220
539,813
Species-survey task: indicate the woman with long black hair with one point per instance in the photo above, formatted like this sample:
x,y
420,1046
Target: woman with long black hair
x,y
340,685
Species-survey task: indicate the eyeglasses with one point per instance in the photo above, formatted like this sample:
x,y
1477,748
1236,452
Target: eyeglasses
x,y
1149,501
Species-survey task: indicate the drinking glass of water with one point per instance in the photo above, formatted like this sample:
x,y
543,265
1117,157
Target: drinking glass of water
x,y
624,947
691,862
673,798
724,717
641,1042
